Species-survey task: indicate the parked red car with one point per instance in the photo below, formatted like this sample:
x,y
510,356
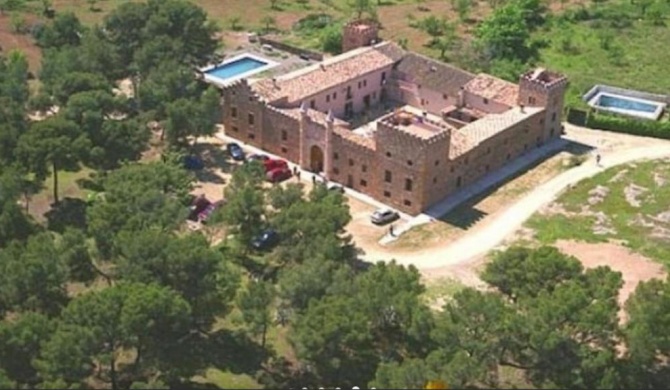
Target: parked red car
x,y
278,174
272,164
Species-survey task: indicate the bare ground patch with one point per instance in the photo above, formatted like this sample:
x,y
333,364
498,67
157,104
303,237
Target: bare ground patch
x,y
634,267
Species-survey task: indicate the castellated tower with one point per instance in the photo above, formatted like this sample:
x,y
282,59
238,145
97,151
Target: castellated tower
x,y
359,33
543,88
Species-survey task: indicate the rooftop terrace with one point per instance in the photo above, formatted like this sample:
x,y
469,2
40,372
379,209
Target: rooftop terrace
x,y
413,121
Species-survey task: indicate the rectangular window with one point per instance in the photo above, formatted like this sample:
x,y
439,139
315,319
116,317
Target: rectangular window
x,y
335,156
233,112
336,171
283,149
410,163
383,78
437,162
235,129
408,184
312,104
531,99
387,194
351,162
334,95
553,117
364,183
407,203
349,95
365,83
486,101
445,97
251,136
388,177
284,135
364,168
327,98
251,118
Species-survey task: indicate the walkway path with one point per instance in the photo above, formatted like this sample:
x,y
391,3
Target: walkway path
x,y
480,186
472,246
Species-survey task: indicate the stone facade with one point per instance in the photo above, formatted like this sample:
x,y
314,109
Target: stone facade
x,y
453,128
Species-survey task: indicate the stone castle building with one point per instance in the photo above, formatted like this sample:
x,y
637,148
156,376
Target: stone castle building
x,y
439,129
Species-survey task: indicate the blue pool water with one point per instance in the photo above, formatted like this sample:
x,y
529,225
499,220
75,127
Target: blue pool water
x,y
625,104
236,68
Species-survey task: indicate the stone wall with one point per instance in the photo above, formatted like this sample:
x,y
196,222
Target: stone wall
x,y
281,134
243,113
354,166
312,55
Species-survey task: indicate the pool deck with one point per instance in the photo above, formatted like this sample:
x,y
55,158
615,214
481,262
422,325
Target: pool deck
x,y
279,62
653,115
592,98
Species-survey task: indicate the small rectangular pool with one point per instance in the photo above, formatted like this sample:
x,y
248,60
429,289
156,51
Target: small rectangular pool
x,y
627,105
236,68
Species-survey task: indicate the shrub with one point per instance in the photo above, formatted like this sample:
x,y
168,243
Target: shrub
x,y
331,39
645,128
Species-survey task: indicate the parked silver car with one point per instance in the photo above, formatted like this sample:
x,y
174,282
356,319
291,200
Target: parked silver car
x,y
383,216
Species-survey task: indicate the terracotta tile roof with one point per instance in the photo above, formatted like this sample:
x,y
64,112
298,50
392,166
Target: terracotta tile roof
x,y
329,73
458,145
493,88
492,124
366,142
434,74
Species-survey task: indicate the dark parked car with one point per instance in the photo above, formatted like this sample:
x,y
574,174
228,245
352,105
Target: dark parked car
x,y
336,187
204,215
258,157
235,151
384,216
279,175
198,205
193,163
265,240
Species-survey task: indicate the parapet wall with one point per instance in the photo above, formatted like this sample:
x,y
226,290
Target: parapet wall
x,y
312,55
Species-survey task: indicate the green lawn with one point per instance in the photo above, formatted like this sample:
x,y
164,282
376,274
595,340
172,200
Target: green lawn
x,y
643,239
636,56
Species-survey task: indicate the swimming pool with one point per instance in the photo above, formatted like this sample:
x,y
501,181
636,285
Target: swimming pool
x,y
610,99
236,68
623,103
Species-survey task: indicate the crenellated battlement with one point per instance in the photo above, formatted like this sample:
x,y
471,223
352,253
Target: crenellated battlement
x,y
359,33
419,131
288,114
543,80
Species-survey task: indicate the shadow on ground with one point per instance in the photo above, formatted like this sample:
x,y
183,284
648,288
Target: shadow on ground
x,y
70,212
467,214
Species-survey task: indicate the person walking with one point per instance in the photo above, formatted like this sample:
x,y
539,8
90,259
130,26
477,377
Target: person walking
x,y
598,159
391,232
314,179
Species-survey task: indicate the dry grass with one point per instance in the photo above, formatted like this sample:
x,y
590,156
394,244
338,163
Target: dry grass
x,y
480,210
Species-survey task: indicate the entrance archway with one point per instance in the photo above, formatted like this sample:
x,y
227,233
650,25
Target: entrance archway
x,y
316,159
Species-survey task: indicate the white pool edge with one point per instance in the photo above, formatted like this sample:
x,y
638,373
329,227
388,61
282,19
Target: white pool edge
x,y
593,102
224,82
